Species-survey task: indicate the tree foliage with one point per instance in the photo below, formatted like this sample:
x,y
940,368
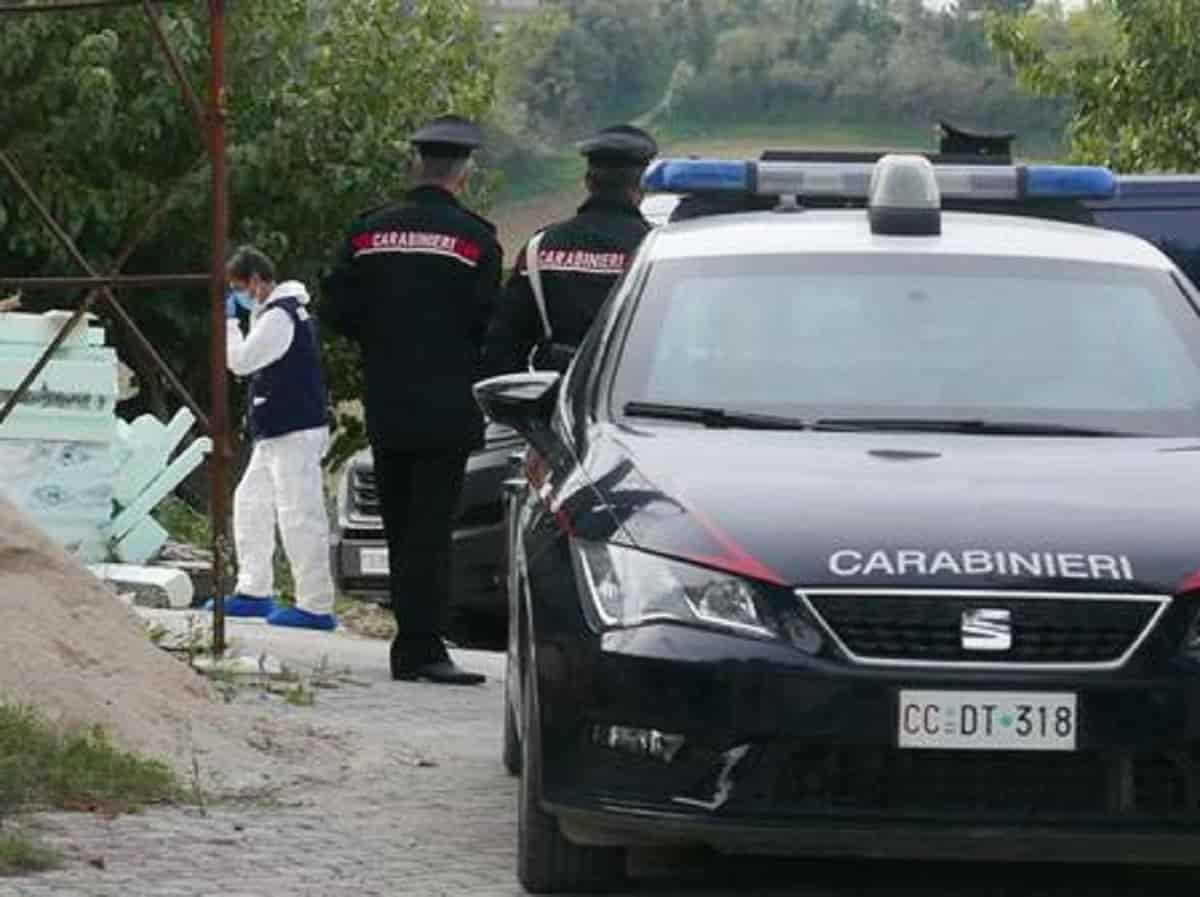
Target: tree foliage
x,y
1131,70
726,62
322,97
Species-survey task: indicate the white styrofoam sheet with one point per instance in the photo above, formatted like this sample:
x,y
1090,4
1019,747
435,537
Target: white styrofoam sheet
x,y
174,586
40,329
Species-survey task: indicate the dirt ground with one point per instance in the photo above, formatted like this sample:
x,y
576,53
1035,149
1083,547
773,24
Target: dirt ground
x,y
82,657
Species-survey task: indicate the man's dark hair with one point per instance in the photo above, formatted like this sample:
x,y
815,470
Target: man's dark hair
x,y
439,169
247,261
605,180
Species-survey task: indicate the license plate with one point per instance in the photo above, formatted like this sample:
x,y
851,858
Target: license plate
x,y
988,720
373,560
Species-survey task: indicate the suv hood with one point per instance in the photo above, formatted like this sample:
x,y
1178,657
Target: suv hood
x,y
907,510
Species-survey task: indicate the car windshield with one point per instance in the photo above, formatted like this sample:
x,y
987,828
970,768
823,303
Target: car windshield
x,y
940,339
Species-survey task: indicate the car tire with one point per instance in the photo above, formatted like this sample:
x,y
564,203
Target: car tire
x,y
547,863
512,738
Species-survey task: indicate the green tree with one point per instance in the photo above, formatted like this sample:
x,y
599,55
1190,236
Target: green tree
x,y
322,97
611,62
1135,98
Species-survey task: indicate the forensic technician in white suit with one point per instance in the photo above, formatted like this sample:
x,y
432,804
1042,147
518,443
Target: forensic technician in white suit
x,y
288,420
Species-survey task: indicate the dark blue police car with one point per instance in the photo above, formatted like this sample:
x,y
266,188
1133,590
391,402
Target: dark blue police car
x,y
863,532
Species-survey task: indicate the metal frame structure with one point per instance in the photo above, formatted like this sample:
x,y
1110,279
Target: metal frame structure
x,y
211,119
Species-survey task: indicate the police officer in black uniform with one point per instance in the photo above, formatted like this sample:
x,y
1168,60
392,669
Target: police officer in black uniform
x,y
414,285
576,261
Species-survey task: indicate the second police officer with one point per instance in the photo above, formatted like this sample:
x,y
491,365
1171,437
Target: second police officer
x,y
414,285
565,272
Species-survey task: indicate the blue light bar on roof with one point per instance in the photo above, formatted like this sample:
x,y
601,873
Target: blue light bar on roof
x,y
852,180
1069,182
697,176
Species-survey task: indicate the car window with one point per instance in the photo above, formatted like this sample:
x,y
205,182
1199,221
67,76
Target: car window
x,y
1095,344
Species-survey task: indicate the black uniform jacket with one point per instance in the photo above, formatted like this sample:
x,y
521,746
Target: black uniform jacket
x,y
415,284
580,260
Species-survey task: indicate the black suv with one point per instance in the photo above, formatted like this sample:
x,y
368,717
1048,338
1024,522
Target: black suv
x,y
360,559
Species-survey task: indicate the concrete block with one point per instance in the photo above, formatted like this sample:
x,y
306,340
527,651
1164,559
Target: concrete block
x,y
150,586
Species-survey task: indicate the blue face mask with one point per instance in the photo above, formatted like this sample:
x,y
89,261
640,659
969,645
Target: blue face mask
x,y
242,298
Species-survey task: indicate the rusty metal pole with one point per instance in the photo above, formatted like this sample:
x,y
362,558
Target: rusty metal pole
x,y
219,411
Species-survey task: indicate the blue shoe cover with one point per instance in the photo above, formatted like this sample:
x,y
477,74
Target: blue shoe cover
x,y
302,619
244,606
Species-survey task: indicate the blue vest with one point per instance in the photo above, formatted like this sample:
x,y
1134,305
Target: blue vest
x,y
289,395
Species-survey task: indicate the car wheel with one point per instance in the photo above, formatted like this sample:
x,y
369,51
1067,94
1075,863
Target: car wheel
x,y
547,862
512,739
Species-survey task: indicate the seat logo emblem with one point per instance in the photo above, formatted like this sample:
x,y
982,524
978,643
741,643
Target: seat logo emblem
x,y
987,629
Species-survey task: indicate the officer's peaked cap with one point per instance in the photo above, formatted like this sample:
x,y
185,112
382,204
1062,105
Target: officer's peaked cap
x,y
447,136
619,146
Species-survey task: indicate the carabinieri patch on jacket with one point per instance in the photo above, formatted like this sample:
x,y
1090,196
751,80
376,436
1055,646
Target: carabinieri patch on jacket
x,y
417,242
581,261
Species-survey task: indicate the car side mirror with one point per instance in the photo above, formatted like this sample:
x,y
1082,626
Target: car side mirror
x,y
524,402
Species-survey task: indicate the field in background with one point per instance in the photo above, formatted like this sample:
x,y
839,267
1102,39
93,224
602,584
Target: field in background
x,y
529,203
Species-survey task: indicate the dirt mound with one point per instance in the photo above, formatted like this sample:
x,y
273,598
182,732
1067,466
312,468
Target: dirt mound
x,y
75,651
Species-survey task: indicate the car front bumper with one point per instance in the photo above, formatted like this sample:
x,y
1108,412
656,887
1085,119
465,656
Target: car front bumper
x,y
782,753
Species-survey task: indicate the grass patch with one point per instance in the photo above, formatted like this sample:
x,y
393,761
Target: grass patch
x,y
183,522
20,855
40,766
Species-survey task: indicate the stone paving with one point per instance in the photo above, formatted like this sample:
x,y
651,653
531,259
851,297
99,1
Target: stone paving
x,y
421,806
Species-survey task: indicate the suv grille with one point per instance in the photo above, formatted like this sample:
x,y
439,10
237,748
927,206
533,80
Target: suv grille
x,y
363,494
927,627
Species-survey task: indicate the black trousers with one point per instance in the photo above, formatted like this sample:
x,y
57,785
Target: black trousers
x,y
418,495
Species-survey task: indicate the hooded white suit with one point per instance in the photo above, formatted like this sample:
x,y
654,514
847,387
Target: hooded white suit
x,y
283,482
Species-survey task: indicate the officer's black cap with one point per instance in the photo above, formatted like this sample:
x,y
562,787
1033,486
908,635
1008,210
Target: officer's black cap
x,y
620,146
447,137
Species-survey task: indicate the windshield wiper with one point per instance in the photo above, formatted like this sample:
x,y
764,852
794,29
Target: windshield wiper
x,y
960,425
715,418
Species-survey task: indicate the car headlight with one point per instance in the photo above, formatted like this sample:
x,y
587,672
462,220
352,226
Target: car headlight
x,y
628,587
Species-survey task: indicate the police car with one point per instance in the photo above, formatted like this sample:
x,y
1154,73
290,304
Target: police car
x,y
863,532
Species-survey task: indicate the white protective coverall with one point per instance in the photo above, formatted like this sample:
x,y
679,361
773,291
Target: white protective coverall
x,y
283,481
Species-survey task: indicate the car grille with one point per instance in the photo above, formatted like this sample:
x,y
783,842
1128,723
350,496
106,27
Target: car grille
x,y
987,784
927,627
363,493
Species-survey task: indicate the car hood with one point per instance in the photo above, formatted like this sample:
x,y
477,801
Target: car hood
x,y
910,510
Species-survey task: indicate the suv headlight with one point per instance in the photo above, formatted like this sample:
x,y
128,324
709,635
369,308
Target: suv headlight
x,y
628,587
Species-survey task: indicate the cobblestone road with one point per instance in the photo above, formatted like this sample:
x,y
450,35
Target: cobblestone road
x,y
422,807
